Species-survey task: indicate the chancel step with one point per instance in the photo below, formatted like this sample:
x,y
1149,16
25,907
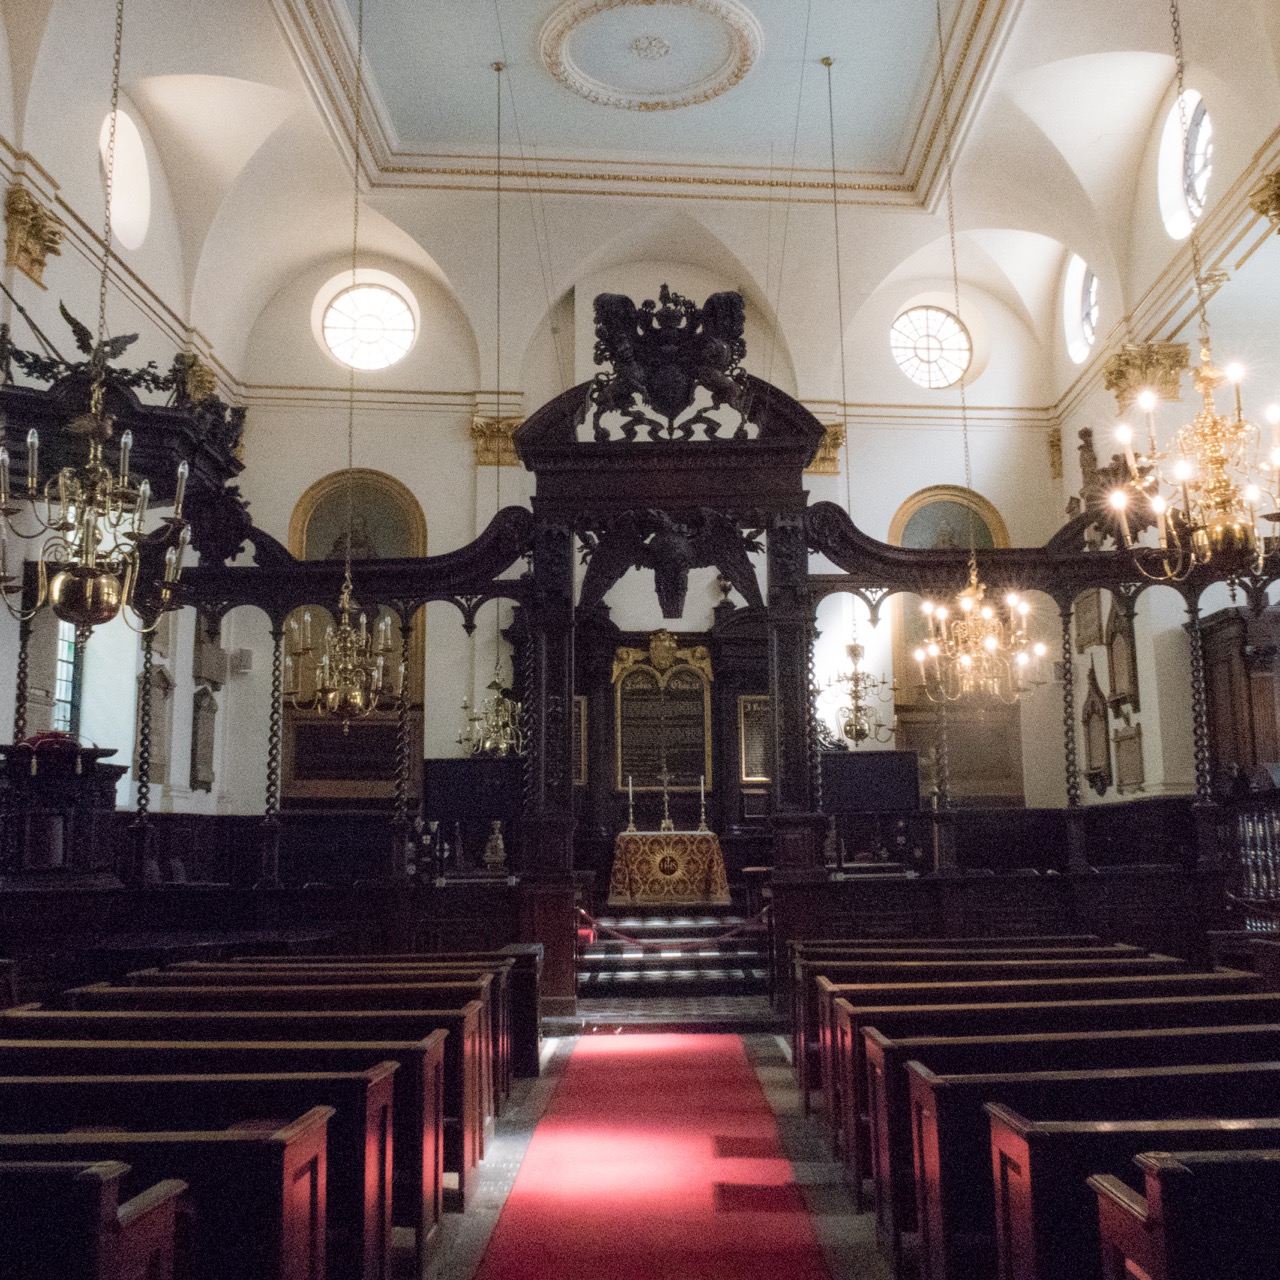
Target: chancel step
x,y
664,955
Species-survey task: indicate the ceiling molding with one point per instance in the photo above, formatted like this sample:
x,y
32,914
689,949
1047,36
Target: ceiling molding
x,y
320,35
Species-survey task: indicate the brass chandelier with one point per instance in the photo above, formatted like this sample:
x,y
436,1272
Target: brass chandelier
x,y
1206,494
859,719
91,517
347,676
975,648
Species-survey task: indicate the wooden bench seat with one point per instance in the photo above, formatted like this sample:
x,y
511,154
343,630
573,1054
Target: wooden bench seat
x,y
952,1135
1011,991
849,1076
889,1095
1047,1219
808,1030
358,1192
525,981
257,1195
462,1109
1204,1214
63,1220
322,998
417,1105
497,997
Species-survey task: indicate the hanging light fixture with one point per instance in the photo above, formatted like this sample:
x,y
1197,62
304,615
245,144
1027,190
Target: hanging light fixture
x,y
859,718
498,727
1207,492
975,648
347,676
90,516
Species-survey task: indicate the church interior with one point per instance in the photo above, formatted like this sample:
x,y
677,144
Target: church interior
x,y
639,634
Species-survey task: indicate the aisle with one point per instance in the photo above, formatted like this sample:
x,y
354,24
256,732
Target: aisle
x,y
658,1159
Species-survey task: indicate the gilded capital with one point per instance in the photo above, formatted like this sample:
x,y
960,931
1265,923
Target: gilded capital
x,y
1264,199
826,462
492,440
1139,365
32,233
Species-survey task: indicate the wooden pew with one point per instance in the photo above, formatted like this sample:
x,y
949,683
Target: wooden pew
x,y
323,998
952,1135
417,1096
257,1194
526,989
1047,1216
849,1103
1019,990
889,1096
1204,1214
797,946
997,966
63,1220
819,995
461,1072
358,1191
497,998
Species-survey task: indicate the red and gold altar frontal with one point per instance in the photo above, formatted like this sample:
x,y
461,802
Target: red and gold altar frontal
x,y
668,868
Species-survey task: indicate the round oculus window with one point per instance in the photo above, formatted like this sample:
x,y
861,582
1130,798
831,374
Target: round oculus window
x,y
368,326
1185,164
931,347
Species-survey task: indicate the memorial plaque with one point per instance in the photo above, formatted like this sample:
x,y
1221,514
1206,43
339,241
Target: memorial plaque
x,y
663,716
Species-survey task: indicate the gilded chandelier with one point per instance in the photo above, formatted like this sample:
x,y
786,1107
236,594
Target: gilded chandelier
x,y
92,518
348,677
976,648
1217,487
496,728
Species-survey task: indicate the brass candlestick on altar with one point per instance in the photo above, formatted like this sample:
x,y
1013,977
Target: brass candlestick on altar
x,y
702,804
666,824
631,806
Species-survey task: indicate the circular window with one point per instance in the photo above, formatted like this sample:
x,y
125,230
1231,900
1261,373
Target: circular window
x,y
1080,308
368,326
130,181
1185,165
931,347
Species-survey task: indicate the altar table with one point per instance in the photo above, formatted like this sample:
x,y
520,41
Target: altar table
x,y
668,869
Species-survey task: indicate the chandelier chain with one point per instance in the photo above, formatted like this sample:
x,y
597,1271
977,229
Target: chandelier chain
x,y
835,218
357,126
498,68
99,355
1197,264
948,155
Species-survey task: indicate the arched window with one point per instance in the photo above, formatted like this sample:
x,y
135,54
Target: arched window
x,y
1080,308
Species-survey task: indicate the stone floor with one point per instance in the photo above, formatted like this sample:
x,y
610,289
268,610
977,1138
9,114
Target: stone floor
x,y
847,1239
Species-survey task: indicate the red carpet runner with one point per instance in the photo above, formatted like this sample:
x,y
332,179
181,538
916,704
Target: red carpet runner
x,y
658,1159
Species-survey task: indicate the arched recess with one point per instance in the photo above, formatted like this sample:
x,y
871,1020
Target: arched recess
x,y
322,761
985,740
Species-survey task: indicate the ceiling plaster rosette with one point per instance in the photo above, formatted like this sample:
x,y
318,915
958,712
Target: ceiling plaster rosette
x,y
603,50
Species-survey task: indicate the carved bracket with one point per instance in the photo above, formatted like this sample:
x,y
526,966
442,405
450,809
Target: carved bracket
x,y
32,233
492,440
1157,365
